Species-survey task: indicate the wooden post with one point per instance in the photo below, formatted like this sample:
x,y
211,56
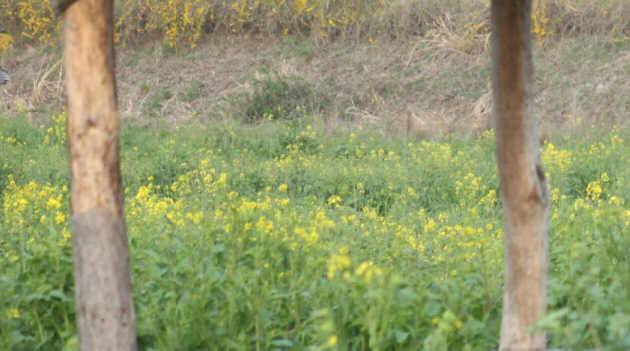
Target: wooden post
x,y
523,185
105,313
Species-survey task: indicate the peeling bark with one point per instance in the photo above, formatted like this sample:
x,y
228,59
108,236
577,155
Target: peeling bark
x,y
523,185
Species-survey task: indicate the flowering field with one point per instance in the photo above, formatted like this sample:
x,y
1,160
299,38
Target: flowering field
x,y
280,237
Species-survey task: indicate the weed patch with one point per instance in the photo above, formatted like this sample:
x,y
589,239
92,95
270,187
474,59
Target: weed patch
x,y
157,99
283,99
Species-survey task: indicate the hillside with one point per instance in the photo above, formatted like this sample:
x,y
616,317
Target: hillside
x,y
417,85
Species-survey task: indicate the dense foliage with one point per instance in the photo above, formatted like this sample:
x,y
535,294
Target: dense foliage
x,y
279,237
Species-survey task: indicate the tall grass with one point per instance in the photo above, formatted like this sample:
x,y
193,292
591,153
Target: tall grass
x,y
279,237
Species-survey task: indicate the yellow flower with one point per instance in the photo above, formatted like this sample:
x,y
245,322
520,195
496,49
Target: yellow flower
x,y
13,313
222,179
594,190
143,193
60,217
195,217
363,267
335,199
458,324
54,203
367,270
332,341
338,262
283,188
429,226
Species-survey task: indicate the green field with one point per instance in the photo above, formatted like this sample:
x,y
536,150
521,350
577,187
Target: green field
x,y
279,236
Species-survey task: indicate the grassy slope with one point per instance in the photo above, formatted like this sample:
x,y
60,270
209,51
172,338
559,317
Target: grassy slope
x,y
419,85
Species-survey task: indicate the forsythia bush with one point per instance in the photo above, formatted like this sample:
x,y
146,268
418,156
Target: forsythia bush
x,y
178,21
181,23
540,22
6,41
33,21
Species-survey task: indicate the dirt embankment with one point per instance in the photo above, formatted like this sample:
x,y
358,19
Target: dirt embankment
x,y
414,86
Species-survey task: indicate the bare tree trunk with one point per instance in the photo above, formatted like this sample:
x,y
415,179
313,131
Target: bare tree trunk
x,y
523,185
105,313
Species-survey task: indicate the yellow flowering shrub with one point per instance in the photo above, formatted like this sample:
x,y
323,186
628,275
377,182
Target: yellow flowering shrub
x,y
6,42
541,28
36,22
182,23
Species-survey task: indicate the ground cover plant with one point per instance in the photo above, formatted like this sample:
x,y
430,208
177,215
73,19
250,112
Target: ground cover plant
x,y
278,236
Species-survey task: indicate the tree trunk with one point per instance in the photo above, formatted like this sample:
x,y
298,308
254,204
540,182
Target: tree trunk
x,y
523,186
105,313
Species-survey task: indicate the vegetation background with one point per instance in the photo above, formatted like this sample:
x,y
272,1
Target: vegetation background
x,y
407,66
320,175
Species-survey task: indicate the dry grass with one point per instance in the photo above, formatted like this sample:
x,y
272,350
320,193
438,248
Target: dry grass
x,y
416,85
181,24
590,17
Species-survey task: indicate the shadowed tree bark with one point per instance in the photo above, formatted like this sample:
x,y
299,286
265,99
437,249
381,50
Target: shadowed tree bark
x,y
523,185
105,313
